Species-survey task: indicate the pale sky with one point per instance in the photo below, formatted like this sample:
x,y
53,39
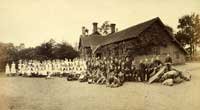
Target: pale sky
x,y
35,21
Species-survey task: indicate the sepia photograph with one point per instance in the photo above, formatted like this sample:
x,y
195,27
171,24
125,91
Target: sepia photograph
x,y
99,54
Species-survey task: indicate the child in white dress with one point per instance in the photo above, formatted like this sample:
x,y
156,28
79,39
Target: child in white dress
x,y
13,69
7,70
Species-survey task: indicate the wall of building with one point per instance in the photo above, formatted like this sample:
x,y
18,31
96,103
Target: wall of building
x,y
177,55
154,41
85,52
168,46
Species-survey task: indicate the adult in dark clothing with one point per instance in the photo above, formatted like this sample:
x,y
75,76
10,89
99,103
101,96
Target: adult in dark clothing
x,y
127,67
168,59
110,75
142,71
168,62
120,75
133,70
158,62
147,74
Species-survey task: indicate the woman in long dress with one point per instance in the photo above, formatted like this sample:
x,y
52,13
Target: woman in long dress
x,y
7,70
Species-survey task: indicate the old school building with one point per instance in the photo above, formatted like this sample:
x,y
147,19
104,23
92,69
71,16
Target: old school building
x,y
144,40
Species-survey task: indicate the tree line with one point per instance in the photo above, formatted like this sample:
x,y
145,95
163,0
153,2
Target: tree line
x,y
46,51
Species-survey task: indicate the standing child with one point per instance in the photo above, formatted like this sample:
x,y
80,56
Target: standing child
x,y
13,69
7,70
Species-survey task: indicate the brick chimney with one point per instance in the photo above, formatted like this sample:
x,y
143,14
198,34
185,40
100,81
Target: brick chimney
x,y
95,27
112,26
83,30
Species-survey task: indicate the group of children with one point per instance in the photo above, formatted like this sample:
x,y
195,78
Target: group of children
x,y
115,71
46,68
110,71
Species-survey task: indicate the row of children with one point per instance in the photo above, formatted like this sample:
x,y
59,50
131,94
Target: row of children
x,y
46,68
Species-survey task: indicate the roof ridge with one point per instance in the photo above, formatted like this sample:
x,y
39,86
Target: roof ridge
x,y
151,20
142,25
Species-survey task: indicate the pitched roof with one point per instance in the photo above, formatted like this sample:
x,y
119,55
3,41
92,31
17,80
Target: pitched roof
x,y
91,41
96,41
128,33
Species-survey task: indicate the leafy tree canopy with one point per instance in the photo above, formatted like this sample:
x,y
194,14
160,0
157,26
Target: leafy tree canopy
x,y
189,32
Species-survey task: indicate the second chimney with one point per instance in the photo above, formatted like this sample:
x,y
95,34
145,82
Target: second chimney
x,y
112,28
95,27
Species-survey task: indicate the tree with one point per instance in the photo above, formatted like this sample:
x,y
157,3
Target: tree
x,y
4,54
64,50
27,54
45,50
105,28
189,32
21,46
